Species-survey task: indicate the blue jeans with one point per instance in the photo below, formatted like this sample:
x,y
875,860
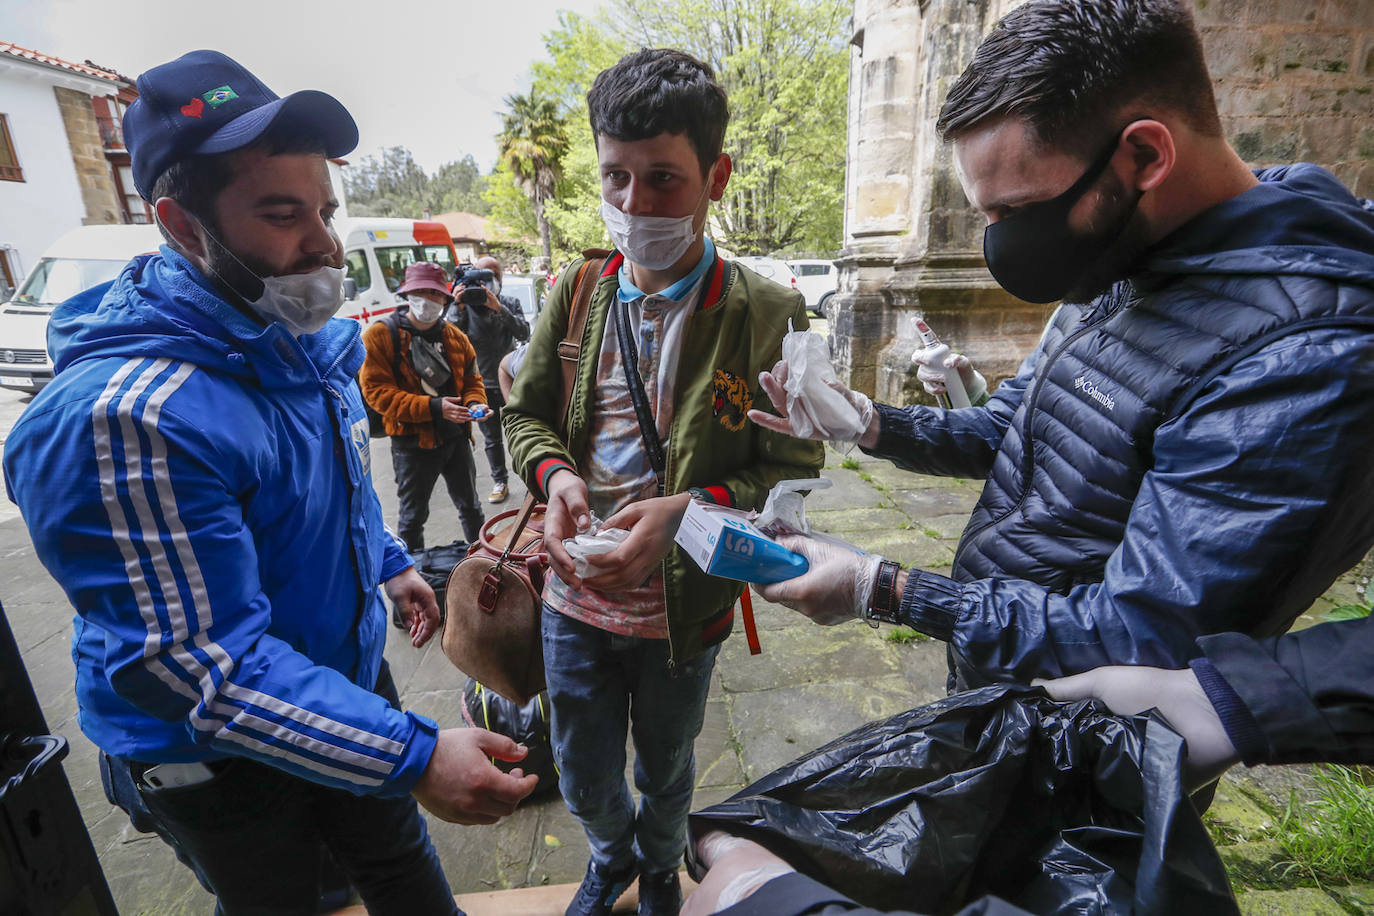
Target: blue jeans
x,y
256,838
601,684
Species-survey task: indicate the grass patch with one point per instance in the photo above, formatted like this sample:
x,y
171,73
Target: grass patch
x,y
901,636
865,477
930,533
850,464
1329,839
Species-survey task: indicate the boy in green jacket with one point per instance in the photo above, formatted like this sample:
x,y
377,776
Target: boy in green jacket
x,y
633,645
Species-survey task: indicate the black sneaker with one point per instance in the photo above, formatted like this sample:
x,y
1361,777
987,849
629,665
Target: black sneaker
x,y
600,890
660,894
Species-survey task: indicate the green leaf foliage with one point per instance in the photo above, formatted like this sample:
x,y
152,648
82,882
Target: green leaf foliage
x,y
1347,612
395,185
784,65
533,143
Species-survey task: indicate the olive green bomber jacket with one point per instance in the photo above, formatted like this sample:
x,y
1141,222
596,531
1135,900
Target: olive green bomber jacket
x,y
735,333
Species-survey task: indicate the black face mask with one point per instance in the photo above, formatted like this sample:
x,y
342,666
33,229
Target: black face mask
x,y
1035,256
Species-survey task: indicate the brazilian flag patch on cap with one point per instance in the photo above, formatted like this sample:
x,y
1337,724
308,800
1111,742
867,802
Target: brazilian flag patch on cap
x,y
217,97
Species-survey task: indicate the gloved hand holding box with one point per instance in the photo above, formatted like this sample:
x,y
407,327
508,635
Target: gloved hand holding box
x,y
723,542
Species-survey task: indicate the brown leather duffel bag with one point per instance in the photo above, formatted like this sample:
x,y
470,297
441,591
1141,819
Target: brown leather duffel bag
x,y
493,605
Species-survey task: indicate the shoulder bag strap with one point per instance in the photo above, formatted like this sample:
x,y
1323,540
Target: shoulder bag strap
x,y
570,347
629,359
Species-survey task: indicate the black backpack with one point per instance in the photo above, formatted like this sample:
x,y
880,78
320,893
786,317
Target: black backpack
x,y
527,725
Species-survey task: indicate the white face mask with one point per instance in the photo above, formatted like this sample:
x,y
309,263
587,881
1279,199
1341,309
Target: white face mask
x,y
304,303
423,310
494,285
654,242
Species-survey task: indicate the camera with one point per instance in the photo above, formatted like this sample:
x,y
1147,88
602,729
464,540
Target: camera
x,y
472,281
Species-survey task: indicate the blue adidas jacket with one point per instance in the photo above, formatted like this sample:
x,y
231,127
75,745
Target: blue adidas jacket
x,y
201,489
1187,454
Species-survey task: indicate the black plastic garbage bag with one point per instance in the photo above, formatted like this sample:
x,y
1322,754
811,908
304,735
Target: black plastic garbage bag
x,y
1057,808
527,725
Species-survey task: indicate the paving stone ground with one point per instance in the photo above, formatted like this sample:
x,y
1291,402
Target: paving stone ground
x,y
811,684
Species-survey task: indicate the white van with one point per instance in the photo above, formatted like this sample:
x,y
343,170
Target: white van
x,y
376,254
77,261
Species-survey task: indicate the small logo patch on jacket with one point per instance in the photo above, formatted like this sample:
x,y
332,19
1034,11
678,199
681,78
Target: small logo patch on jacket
x,y
360,436
731,400
1088,387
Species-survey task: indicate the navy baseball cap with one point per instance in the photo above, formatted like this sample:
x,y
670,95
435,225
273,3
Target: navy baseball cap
x,y
204,102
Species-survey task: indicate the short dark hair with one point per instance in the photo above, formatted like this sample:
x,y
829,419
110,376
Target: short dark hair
x,y
661,91
197,181
1067,66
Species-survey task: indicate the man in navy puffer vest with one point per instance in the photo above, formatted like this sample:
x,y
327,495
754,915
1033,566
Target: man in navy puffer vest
x,y
1186,451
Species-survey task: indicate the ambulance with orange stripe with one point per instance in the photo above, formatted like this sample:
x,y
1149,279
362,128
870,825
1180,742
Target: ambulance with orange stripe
x,y
377,252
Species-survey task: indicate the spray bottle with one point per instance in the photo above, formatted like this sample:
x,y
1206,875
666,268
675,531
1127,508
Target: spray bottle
x,y
934,354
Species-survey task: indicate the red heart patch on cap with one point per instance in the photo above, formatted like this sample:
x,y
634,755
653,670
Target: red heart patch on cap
x,y
193,108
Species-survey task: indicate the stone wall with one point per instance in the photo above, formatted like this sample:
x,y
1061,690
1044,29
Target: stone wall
x,y
1293,80
98,190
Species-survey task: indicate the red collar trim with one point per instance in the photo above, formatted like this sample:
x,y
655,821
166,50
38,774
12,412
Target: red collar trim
x,y
612,264
715,281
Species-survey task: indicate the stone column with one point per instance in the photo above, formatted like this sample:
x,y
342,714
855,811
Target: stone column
x,y
92,170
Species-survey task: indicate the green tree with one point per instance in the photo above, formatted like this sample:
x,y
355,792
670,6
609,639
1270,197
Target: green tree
x,y
510,210
393,185
532,145
396,185
459,186
785,66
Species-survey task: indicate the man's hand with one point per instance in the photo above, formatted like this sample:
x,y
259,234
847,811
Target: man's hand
x,y
837,587
415,600
455,411
462,786
652,524
565,515
775,386
492,302
735,869
1130,689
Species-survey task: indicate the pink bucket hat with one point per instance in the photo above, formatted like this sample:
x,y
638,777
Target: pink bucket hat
x,y
425,275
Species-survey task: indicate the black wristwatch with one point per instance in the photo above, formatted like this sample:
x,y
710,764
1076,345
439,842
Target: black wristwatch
x,y
886,598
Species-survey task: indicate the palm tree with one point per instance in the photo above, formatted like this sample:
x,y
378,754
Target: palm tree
x,y
533,143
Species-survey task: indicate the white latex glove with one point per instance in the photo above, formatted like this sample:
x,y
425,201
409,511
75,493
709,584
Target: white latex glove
x,y
837,587
1131,689
775,386
735,869
932,377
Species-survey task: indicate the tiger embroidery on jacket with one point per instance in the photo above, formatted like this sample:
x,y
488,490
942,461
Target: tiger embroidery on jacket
x,y
731,400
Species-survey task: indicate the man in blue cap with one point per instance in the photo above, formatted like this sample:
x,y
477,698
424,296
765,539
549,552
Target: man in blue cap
x,y
198,480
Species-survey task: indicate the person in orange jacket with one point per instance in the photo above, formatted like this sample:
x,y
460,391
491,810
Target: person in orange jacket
x,y
421,376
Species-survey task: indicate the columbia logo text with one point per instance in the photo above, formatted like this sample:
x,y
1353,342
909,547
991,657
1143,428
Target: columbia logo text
x,y
1097,394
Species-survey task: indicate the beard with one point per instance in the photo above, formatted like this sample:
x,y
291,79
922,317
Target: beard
x,y
1118,208
242,274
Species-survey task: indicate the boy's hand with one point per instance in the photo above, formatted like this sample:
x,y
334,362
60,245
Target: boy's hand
x,y
565,514
652,524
